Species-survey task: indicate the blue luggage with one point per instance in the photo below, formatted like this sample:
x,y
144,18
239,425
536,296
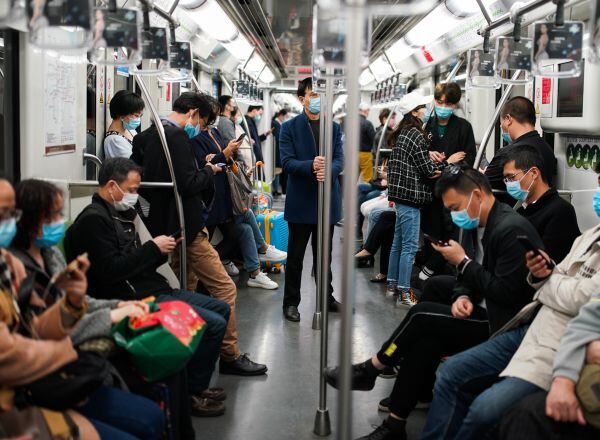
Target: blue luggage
x,y
275,232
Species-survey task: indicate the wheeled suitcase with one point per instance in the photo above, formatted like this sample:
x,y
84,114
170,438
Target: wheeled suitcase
x,y
262,198
275,231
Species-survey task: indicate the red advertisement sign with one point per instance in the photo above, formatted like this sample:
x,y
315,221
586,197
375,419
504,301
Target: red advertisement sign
x,y
546,90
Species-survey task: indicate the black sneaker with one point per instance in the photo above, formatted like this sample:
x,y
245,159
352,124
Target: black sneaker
x,y
385,432
242,366
384,405
388,373
362,379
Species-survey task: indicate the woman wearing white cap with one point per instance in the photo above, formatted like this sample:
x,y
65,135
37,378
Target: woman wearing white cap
x,y
409,170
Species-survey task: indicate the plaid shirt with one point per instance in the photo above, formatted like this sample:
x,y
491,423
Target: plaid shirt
x,y
410,168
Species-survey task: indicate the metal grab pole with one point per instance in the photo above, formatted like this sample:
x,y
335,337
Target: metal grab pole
x,y
356,22
178,203
455,69
488,132
322,421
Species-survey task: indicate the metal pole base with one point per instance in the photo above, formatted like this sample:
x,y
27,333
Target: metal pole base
x,y
322,423
317,320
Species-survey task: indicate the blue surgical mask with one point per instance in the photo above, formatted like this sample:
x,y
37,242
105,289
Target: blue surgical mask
x,y
426,116
132,124
462,218
515,190
506,137
52,233
192,130
257,118
314,105
8,230
596,202
443,112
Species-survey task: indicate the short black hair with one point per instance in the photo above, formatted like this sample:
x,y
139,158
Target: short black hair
x,y
383,114
125,103
525,157
303,86
223,101
253,107
521,109
450,90
35,198
282,112
187,101
208,106
117,169
462,179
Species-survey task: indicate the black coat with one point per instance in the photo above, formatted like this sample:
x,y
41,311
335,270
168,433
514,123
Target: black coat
x,y
457,137
195,184
257,147
555,220
367,135
501,279
121,267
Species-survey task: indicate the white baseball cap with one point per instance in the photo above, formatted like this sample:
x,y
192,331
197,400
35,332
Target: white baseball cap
x,y
411,101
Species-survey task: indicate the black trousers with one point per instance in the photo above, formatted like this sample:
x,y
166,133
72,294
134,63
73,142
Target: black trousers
x,y
298,240
427,333
436,221
528,421
382,236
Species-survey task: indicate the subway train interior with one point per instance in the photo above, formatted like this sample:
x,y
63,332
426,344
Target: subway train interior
x,y
165,163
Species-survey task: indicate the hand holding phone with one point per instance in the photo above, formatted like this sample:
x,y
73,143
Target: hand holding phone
x,y
529,247
242,136
434,240
177,234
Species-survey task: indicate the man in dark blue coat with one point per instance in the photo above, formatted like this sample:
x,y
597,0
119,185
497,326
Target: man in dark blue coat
x,y
301,160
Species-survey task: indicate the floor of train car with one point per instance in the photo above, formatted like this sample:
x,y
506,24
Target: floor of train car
x,y
282,404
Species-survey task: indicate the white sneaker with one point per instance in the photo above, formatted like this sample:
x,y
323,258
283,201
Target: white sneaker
x,y
231,268
262,281
272,254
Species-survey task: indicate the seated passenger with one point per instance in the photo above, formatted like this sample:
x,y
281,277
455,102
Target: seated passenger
x,y
125,269
126,110
517,121
488,292
113,413
553,217
368,191
381,236
558,414
474,388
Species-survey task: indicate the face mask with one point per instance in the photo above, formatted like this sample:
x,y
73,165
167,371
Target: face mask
x,y
239,120
596,202
314,105
443,112
506,137
462,219
426,115
52,233
515,190
8,230
192,130
132,124
127,202
257,118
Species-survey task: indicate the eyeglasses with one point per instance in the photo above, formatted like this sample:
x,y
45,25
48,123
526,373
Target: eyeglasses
x,y
511,177
10,214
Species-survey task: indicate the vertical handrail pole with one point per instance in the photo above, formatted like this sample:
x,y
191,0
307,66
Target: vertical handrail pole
x,y
323,122
322,421
178,203
195,82
455,69
355,13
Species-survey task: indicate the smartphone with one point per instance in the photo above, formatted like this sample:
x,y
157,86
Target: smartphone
x,y
241,137
176,235
528,246
434,240
63,275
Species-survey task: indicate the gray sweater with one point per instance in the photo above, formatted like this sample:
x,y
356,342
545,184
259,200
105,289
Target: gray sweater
x,y
227,129
582,330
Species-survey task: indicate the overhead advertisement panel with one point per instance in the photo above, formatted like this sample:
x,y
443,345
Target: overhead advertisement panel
x,y
292,28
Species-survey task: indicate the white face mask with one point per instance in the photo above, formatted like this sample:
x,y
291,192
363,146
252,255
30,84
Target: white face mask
x,y
127,202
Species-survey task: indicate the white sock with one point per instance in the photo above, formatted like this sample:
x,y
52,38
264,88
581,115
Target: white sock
x,y
425,274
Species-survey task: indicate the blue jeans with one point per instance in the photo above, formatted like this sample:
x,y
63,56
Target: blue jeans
x,y
117,414
366,191
374,217
249,238
216,314
469,399
405,245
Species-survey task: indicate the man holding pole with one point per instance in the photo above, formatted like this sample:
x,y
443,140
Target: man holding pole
x,y
299,148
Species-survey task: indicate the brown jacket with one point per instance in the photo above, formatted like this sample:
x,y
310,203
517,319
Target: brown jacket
x,y
24,360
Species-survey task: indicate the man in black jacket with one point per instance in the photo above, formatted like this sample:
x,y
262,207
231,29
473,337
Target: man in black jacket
x,y
196,188
124,268
449,134
365,147
518,127
490,288
553,217
253,117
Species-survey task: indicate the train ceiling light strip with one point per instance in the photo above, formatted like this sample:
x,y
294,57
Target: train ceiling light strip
x,y
215,22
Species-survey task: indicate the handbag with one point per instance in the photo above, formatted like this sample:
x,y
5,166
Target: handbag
x,y
39,424
240,187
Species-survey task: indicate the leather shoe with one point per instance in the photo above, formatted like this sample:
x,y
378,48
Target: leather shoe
x,y
291,313
242,366
361,379
205,407
217,394
334,306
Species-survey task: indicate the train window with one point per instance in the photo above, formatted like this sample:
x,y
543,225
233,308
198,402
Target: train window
x,y
570,93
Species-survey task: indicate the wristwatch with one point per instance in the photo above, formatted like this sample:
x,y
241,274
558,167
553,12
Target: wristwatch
x,y
461,266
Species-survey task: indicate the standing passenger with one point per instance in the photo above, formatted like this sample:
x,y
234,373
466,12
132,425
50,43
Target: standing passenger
x,y
226,126
367,135
253,117
126,111
299,146
280,176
